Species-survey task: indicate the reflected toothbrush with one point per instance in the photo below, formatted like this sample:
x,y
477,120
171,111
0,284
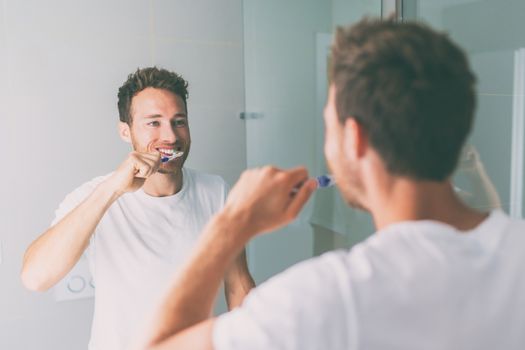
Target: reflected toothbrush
x,y
165,159
323,181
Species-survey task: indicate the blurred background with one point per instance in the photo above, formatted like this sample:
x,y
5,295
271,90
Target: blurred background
x,y
257,74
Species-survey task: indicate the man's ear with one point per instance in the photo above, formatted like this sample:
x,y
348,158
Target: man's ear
x,y
355,138
124,132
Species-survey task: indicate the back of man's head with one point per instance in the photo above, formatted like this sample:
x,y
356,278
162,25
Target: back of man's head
x,y
412,91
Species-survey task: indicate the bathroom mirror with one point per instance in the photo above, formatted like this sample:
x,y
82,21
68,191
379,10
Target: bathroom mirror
x,y
257,75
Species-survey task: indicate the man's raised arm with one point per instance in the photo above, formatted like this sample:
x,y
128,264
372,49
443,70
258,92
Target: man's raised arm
x,y
54,253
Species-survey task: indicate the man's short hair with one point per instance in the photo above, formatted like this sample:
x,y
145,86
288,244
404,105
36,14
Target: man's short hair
x,y
412,91
149,77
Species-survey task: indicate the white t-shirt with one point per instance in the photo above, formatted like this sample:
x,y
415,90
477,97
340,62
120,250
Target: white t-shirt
x,y
136,249
414,285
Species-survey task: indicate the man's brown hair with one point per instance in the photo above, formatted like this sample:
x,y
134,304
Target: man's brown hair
x,y
412,91
149,77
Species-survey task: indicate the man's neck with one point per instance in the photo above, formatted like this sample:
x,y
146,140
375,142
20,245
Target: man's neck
x,y
162,185
408,200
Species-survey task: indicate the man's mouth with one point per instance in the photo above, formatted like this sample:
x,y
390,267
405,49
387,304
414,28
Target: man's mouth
x,y
166,151
168,154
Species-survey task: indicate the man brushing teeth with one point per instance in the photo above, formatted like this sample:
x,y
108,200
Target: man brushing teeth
x,y
137,224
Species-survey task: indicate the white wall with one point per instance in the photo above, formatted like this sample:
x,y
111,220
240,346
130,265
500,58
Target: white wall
x,y
61,63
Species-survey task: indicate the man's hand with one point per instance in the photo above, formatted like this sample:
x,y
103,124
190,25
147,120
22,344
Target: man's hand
x,y
133,172
267,198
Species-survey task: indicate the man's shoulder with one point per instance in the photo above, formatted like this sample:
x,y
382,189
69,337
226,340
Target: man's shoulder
x,y
418,248
517,224
90,185
85,189
512,232
75,197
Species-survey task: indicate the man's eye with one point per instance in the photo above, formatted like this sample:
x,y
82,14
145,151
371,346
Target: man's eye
x,y
179,122
154,123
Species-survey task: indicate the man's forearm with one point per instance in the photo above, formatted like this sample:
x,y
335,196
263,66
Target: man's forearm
x,y
190,299
51,256
238,281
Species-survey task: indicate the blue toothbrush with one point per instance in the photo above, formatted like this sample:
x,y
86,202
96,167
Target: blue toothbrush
x,y
173,156
325,181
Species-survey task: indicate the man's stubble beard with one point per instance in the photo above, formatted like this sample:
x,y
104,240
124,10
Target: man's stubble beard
x,y
351,188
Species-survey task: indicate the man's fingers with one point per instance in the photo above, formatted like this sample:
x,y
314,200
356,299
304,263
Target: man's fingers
x,y
143,168
296,176
300,198
154,156
153,164
145,164
153,159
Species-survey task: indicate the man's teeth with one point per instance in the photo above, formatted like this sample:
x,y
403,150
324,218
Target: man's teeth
x,y
166,151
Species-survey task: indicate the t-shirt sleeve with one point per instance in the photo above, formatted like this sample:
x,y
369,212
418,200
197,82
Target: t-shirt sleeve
x,y
306,307
73,199
70,202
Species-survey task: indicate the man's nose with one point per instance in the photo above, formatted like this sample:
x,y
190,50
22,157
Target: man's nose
x,y
168,134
